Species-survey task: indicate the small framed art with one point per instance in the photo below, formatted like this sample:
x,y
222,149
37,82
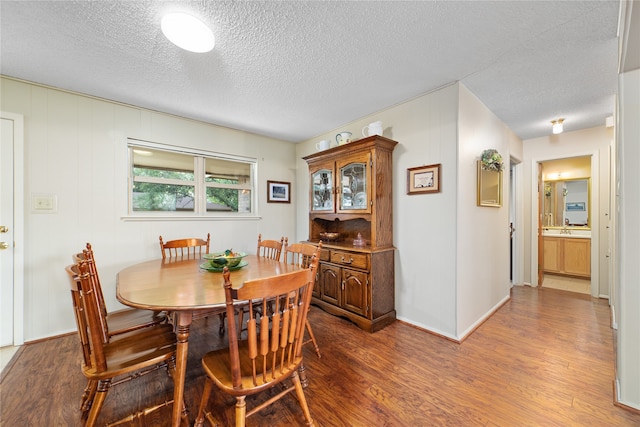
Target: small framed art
x,y
424,179
278,192
575,206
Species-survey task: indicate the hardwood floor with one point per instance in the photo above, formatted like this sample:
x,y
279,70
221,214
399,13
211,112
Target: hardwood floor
x,y
544,359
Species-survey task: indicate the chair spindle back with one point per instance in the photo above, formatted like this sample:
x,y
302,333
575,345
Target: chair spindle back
x,y
87,254
95,321
78,310
300,254
270,248
190,247
274,333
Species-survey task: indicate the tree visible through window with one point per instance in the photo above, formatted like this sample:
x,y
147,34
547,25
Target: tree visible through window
x,y
172,181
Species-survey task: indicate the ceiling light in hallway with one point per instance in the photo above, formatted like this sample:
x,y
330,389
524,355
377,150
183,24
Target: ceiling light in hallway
x,y
187,32
557,126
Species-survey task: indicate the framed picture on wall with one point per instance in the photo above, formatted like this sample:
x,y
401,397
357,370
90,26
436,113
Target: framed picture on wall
x,y
575,206
278,192
423,179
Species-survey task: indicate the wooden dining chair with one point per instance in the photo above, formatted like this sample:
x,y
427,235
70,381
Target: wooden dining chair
x,y
115,359
191,247
301,254
272,350
120,321
270,248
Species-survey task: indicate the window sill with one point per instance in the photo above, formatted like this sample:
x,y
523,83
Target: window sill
x,y
143,217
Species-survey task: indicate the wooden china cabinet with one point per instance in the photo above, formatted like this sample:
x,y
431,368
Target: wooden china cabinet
x,y
351,194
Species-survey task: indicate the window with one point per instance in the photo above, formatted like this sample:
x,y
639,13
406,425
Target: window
x,y
173,181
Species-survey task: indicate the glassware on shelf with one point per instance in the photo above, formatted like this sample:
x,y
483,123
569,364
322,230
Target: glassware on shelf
x,y
359,241
322,190
353,194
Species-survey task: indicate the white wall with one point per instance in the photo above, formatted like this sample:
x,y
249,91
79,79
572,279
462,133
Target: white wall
x,y
628,300
594,142
75,149
434,289
482,232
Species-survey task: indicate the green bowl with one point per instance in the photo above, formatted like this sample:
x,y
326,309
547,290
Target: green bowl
x,y
219,260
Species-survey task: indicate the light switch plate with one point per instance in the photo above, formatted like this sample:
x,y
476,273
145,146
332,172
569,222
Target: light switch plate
x,y
44,203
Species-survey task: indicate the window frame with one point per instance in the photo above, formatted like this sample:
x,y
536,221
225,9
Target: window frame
x,y
199,183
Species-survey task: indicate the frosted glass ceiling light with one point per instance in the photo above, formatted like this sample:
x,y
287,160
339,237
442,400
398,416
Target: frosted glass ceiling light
x,y
187,32
556,127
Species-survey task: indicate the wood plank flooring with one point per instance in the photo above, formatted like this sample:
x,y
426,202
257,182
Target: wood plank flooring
x,y
543,359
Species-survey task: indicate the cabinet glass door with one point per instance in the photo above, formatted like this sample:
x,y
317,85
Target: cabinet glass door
x,y
322,193
353,187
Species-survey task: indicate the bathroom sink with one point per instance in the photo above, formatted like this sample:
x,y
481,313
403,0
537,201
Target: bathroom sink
x,y
576,233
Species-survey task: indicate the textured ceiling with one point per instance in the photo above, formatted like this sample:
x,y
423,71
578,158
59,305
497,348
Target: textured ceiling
x,y
295,69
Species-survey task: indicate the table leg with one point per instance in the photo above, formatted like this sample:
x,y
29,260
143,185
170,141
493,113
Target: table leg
x,y
182,334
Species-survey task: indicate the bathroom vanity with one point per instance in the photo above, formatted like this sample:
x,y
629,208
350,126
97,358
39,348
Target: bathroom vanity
x,y
567,252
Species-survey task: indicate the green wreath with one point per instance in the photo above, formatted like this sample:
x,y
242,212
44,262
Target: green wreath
x,y
492,160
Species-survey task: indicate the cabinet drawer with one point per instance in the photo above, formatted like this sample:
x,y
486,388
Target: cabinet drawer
x,y
325,255
350,258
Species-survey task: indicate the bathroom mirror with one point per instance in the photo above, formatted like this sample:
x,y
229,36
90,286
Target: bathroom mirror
x,y
489,187
566,203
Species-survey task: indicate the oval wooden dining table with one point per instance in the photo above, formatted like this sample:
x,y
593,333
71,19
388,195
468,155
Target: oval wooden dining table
x,y
182,287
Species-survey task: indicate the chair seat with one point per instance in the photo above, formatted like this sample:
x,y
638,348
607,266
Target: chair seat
x,y
131,319
217,365
135,350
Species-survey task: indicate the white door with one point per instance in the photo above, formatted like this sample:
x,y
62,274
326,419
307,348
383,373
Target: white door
x,y
6,233
11,217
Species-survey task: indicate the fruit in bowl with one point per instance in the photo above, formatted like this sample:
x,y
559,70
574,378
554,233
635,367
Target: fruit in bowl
x,y
227,258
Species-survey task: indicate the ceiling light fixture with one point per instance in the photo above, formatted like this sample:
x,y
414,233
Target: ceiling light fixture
x,y
187,32
556,127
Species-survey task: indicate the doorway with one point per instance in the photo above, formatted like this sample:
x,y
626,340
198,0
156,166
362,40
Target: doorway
x,y
567,224
11,229
516,221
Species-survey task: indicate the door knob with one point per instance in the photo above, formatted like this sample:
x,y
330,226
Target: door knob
x,y
4,245
4,229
